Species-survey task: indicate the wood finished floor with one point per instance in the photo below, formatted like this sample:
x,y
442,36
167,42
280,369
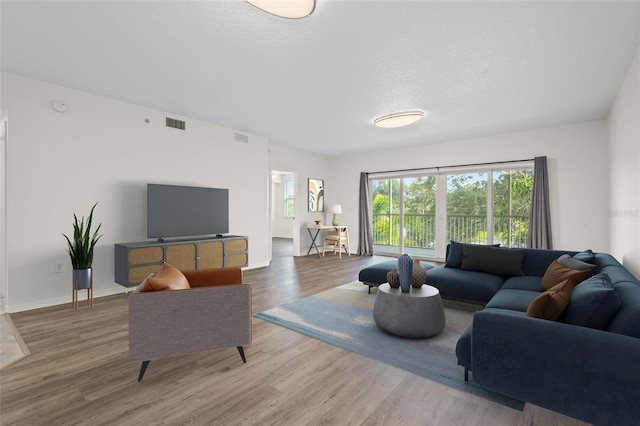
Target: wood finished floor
x,y
78,371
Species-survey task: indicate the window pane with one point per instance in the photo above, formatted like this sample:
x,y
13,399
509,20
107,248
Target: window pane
x,y
420,215
289,197
511,206
385,216
467,208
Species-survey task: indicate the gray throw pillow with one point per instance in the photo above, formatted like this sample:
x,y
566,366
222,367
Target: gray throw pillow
x,y
573,263
504,262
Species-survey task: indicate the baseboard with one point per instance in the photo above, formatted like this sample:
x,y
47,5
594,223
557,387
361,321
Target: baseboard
x,y
256,266
117,289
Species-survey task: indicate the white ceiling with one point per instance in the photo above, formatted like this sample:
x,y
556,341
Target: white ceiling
x,y
476,68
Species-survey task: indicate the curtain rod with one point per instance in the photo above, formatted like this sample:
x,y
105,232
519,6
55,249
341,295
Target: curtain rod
x,y
450,167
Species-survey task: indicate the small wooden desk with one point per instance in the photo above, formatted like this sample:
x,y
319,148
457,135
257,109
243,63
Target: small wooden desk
x,y
318,228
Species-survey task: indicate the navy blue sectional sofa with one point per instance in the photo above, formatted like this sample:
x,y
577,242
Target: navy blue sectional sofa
x,y
585,364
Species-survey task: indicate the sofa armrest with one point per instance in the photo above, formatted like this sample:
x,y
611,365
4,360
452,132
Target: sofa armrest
x,y
585,373
169,323
211,277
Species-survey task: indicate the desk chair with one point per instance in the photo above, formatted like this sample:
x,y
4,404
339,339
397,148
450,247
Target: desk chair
x,y
337,239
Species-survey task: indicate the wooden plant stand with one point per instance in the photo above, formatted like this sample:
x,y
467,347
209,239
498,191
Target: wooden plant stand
x,y
74,294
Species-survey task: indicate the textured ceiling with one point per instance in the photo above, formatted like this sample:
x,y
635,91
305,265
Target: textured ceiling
x,y
476,68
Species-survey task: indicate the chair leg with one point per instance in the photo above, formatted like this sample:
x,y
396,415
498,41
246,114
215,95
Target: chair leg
x,y
466,374
241,350
143,368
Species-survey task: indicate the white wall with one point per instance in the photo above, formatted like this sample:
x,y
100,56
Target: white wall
x,y
624,163
3,230
103,150
578,172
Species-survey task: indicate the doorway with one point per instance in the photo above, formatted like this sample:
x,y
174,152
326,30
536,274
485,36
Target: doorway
x,y
283,208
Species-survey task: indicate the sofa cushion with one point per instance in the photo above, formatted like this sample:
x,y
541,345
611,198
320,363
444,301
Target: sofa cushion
x,y
593,303
550,304
617,273
523,283
536,261
377,273
454,253
467,285
573,263
557,272
627,320
512,299
167,278
492,260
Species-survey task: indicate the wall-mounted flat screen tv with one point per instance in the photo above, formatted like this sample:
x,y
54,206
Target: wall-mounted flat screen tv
x,y
180,211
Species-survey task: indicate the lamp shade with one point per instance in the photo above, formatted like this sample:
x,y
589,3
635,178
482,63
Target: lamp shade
x,y
336,209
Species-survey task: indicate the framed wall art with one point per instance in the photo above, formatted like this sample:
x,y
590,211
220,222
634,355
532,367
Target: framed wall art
x,y
316,195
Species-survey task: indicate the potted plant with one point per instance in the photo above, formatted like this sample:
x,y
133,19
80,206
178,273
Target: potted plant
x,y
80,250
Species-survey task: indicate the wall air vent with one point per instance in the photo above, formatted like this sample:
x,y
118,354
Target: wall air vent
x,y
175,123
239,137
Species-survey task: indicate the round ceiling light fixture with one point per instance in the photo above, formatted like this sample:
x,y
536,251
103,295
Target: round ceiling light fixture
x,y
293,9
398,119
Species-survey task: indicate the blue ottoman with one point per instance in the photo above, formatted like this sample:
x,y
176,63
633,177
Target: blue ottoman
x,y
375,275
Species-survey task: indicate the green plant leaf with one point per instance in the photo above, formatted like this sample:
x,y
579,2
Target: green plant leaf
x,y
82,246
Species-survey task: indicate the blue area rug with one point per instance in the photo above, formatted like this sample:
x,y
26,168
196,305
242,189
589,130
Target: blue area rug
x,y
343,317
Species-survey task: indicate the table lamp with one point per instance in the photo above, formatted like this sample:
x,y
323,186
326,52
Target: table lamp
x,y
336,210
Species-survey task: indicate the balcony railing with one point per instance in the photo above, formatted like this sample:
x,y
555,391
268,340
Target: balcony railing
x,y
420,230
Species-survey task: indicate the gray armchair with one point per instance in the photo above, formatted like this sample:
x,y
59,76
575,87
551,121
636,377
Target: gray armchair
x,y
213,312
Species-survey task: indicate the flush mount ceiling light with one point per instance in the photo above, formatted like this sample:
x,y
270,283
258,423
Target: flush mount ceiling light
x,y
398,119
294,9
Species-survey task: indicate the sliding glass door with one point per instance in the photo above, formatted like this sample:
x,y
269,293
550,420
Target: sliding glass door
x,y
511,206
420,214
404,215
386,215
467,208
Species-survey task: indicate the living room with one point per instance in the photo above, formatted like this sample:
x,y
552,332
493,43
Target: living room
x,y
106,149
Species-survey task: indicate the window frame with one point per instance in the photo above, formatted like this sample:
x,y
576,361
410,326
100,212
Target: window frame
x,y
441,175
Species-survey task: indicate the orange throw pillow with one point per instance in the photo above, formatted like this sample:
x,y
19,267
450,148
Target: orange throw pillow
x,y
167,278
550,304
557,272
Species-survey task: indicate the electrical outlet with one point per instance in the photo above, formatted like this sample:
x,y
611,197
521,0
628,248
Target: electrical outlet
x,y
59,268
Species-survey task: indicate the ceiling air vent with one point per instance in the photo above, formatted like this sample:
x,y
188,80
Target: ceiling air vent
x,y
175,123
239,137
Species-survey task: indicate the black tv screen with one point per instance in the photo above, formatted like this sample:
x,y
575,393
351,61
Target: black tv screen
x,y
180,211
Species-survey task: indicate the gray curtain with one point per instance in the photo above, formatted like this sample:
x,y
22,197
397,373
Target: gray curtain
x,y
365,239
539,235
